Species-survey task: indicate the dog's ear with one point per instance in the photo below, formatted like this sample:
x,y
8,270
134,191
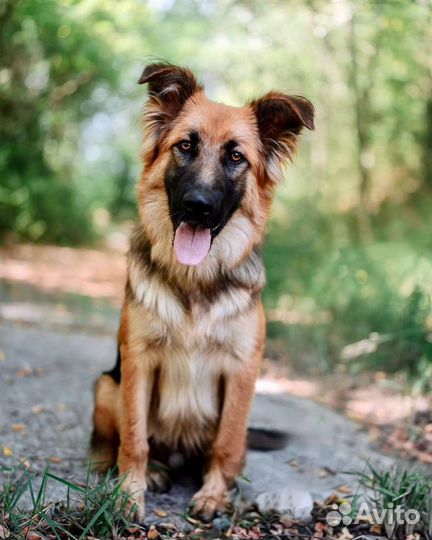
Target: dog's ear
x,y
280,119
169,86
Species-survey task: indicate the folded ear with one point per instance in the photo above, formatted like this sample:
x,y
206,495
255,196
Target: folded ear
x,y
169,86
280,120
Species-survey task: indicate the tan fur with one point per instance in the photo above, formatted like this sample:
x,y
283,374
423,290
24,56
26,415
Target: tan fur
x,y
191,337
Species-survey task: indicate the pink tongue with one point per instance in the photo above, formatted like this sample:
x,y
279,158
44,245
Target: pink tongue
x,y
191,245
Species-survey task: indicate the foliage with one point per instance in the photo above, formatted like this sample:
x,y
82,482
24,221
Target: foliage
x,y
337,302
348,252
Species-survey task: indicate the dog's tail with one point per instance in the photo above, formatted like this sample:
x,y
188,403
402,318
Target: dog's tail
x,y
264,439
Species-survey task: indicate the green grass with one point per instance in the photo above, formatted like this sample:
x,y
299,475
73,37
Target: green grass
x,y
94,509
389,488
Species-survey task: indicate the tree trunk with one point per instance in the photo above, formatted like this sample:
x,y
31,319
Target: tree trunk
x,y
361,106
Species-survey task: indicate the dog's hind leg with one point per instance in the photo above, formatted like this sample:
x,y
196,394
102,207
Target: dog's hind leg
x,y
105,438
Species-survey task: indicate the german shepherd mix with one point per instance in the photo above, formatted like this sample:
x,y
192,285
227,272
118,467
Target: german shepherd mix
x,y
192,326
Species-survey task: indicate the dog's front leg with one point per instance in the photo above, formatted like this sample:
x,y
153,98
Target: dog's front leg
x,y
229,448
136,388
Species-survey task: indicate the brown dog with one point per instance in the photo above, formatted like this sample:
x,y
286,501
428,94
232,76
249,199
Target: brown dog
x,y
192,327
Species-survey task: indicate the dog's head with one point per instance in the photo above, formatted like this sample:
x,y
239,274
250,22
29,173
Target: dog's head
x,y
210,168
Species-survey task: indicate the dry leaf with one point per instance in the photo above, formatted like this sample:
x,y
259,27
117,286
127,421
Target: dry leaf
x,y
7,451
4,532
153,533
24,372
294,462
55,459
197,522
2,357
320,529
159,512
168,526
345,535
344,489
17,427
37,409
134,530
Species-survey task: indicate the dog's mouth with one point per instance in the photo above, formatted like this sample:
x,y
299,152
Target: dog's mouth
x,y
191,243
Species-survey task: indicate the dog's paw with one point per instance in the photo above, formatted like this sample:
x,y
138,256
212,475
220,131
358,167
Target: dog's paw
x,y
158,480
132,504
206,504
133,507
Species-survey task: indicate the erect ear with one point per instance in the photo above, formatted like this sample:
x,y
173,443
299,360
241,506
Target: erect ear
x,y
280,119
169,87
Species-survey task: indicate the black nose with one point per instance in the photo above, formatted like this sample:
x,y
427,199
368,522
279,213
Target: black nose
x,y
199,203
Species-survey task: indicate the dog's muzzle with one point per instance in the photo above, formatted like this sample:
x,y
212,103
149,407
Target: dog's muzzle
x,y
201,212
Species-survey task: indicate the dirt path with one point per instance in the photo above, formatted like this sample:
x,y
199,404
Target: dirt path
x,y
57,328
46,403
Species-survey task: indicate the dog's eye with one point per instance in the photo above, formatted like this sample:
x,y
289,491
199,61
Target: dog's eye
x,y
185,146
236,156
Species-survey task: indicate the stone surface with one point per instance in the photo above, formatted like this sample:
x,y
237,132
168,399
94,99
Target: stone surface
x,y
46,403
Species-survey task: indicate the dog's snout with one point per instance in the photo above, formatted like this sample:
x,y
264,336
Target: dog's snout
x,y
200,204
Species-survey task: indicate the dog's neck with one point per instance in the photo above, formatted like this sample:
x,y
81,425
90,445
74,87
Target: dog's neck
x,y
204,281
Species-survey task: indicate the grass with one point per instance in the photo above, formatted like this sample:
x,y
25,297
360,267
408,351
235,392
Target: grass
x,y
94,510
397,491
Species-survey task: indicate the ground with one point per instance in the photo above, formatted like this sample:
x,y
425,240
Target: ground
x,y
58,319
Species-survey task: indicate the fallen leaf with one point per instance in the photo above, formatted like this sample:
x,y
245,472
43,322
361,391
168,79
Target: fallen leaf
x,y
168,526
34,536
376,529
277,529
2,356
320,529
345,535
7,451
4,532
198,522
17,427
159,512
344,489
294,462
37,409
55,459
153,533
134,530
24,372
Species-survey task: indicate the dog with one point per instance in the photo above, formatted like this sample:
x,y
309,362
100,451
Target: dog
x,y
192,326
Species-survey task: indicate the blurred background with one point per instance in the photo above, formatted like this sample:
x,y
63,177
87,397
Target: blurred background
x,y
348,249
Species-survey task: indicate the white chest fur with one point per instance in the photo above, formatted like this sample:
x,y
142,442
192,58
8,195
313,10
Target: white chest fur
x,y
188,399
191,350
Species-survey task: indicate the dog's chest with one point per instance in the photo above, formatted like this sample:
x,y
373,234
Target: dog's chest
x,y
202,347
188,400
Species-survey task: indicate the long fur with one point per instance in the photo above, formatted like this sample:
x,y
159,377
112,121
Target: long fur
x,y
191,337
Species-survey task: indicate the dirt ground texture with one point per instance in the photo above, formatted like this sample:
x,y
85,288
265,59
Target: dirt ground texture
x,y
58,317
